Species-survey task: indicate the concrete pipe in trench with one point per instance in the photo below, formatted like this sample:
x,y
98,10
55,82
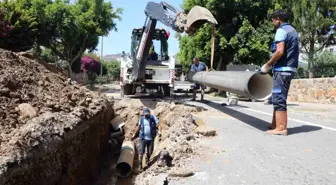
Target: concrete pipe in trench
x,y
126,159
245,83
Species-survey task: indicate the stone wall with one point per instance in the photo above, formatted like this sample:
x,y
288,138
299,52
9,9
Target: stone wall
x,y
317,90
74,158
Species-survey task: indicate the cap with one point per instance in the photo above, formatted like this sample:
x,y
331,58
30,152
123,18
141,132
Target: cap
x,y
146,111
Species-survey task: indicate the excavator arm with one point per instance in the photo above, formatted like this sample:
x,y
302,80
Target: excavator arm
x,y
169,16
178,21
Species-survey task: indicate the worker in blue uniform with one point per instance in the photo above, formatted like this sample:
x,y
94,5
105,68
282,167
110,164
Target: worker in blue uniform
x,y
284,63
196,67
147,130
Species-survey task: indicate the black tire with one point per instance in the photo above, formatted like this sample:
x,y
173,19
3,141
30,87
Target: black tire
x,y
166,90
128,89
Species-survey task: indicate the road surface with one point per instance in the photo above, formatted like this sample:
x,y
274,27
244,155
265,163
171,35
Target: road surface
x,y
242,152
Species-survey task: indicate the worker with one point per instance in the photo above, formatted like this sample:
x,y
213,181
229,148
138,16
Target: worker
x,y
284,64
147,129
196,67
152,55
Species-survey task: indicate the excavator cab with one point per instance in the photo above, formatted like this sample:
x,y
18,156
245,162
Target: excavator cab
x,y
149,65
158,45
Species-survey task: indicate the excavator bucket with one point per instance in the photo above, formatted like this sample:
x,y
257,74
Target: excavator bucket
x,y
197,17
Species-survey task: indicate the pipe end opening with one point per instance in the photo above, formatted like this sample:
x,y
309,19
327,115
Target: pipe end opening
x,y
123,170
260,86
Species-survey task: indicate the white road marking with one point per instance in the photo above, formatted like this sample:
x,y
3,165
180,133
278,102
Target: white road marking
x,y
292,119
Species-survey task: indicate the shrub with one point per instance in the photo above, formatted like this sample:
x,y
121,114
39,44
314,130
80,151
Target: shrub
x,y
112,69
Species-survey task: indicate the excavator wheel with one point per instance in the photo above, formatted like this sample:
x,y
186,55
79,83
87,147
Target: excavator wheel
x,y
126,90
168,91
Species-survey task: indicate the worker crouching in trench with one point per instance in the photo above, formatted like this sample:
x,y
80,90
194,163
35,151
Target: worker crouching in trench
x,y
147,130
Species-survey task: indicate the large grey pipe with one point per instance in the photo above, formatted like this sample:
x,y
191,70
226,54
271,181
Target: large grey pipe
x,y
126,159
245,83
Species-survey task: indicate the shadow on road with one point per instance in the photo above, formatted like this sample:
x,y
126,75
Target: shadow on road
x,y
252,121
292,104
303,129
259,123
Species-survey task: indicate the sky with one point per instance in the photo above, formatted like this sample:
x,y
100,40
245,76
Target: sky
x,y
133,17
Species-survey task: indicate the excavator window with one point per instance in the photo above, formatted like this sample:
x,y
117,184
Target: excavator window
x,y
159,48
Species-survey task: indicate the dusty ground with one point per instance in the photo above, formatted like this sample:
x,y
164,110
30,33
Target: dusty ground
x,y
178,138
36,102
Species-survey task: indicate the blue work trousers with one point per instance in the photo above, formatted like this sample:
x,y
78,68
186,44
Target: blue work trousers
x,y
281,84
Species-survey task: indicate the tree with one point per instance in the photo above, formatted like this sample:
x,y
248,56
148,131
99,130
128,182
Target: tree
x,y
238,36
252,44
78,27
29,22
5,26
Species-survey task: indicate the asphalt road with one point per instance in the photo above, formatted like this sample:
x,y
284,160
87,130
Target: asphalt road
x,y
243,153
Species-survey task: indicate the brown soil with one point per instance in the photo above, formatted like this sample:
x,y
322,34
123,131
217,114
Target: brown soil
x,y
178,137
36,101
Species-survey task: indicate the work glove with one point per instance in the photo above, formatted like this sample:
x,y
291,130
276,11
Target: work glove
x,y
264,69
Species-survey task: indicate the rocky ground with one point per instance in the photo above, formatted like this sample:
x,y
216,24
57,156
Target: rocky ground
x,y
179,138
37,102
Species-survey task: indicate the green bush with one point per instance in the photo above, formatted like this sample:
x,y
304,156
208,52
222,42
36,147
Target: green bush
x,y
301,73
103,79
111,69
92,79
325,65
325,70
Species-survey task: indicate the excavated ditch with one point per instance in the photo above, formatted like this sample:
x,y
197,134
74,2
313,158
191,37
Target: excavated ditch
x,y
178,136
54,132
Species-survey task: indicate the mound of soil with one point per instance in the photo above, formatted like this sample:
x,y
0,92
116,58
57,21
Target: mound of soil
x,y
36,102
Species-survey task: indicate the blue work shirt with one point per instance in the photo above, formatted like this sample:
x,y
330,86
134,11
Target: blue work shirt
x,y
289,61
200,67
147,128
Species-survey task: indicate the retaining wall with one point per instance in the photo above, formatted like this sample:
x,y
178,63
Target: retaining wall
x,y
317,90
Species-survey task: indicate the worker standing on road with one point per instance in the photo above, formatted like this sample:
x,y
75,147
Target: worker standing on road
x,y
196,67
284,64
146,128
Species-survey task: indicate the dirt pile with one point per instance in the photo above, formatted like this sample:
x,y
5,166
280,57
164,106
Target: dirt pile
x,y
178,137
38,105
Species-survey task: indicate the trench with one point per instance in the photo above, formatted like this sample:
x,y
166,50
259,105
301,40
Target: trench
x,y
88,154
164,110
